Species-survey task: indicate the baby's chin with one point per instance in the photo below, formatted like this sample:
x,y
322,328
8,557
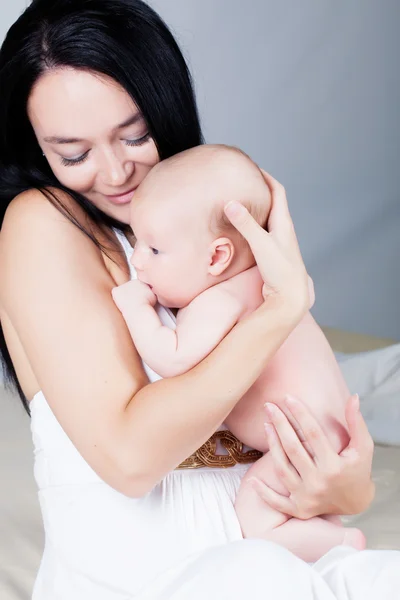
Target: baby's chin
x,y
172,302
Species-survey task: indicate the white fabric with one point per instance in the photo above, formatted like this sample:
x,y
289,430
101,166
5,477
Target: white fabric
x,y
375,376
173,543
21,529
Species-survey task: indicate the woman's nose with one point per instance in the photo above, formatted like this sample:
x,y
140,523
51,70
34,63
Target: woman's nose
x,y
116,171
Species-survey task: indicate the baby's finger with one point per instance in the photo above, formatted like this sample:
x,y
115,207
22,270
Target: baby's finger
x,y
119,295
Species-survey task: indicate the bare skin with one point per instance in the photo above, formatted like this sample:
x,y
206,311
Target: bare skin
x,y
179,261
59,317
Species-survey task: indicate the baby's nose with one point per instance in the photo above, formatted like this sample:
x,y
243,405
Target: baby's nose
x,y
137,261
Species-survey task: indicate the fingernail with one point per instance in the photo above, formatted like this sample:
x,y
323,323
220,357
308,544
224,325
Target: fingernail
x,y
234,208
291,400
252,481
270,408
356,401
269,430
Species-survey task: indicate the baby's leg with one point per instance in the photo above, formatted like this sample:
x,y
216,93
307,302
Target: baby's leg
x,y
308,539
311,539
257,519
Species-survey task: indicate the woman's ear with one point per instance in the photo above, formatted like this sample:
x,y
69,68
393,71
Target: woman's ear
x,y
221,253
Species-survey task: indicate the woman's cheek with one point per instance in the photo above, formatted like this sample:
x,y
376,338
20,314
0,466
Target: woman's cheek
x,y
76,178
150,156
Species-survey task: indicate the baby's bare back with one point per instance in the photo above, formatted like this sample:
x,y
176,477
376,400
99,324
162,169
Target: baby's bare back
x,y
304,366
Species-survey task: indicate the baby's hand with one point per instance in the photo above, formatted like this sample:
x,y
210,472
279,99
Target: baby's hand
x,y
131,294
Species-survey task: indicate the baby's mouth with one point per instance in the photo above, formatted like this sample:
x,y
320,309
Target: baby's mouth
x,y
143,281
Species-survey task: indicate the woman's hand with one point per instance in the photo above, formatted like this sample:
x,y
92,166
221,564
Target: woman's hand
x,y
319,480
276,251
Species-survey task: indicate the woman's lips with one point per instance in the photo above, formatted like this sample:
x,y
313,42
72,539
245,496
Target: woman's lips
x,y
122,198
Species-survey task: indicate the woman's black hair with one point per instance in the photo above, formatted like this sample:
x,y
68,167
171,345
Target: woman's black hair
x,y
122,39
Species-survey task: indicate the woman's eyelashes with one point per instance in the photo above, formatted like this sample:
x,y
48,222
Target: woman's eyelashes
x,y
138,142
154,251
70,162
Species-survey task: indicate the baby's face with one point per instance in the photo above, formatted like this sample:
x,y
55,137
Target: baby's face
x,y
170,253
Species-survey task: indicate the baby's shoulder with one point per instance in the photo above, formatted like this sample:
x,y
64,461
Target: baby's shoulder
x,y
247,287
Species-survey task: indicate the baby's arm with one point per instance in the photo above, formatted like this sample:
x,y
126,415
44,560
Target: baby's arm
x,y
200,326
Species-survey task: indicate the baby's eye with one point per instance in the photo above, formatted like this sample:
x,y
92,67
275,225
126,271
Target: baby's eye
x,y
154,250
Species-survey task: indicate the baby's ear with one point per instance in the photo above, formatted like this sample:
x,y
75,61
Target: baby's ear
x,y
221,253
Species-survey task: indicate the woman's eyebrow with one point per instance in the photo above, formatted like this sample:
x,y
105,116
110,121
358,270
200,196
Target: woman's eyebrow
x,y
61,140
131,121
64,140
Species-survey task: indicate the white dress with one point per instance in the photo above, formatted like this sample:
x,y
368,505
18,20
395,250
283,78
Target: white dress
x,y
182,541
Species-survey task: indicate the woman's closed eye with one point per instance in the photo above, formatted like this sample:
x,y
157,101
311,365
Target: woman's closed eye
x,y
70,162
138,142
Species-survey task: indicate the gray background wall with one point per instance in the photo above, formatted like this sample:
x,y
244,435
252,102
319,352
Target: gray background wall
x,y
311,91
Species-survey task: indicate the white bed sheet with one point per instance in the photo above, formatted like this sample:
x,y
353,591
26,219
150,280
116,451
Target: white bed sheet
x,y
375,375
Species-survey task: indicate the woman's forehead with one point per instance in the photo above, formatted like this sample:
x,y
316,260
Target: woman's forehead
x,y
70,101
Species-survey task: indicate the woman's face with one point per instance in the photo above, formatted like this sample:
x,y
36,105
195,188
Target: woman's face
x,y
93,136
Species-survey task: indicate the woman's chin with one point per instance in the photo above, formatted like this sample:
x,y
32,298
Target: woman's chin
x,y
119,212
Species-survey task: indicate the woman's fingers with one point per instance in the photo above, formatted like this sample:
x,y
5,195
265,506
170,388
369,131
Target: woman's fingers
x,y
273,499
276,252
296,428
281,214
279,221
360,438
240,217
292,446
285,472
314,436
271,262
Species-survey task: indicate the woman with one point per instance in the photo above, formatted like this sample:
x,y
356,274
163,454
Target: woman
x,y
94,93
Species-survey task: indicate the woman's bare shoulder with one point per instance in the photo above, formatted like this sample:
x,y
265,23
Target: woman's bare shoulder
x,y
35,210
32,216
34,223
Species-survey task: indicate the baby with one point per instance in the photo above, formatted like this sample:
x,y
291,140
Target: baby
x,y
188,256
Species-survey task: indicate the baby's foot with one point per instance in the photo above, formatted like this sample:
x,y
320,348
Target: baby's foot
x,y
355,538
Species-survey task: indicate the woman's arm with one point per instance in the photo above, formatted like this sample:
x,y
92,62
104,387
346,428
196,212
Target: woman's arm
x,y
57,295
320,480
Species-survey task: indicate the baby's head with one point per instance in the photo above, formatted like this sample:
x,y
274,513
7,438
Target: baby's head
x,y
184,242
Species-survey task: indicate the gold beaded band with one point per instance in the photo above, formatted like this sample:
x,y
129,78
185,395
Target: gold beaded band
x,y
206,456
